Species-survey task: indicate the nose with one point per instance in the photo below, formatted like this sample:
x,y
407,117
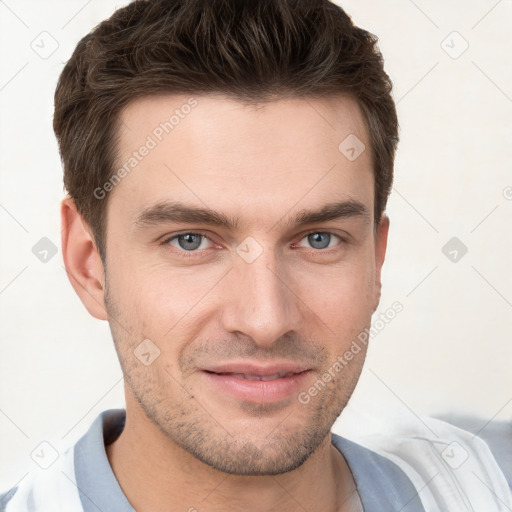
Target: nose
x,y
260,300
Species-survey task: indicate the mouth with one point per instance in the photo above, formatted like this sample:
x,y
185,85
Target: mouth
x,y
275,376
256,383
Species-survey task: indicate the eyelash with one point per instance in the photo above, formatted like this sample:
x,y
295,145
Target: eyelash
x,y
197,253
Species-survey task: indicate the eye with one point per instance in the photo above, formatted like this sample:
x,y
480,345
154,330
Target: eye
x,y
320,240
189,242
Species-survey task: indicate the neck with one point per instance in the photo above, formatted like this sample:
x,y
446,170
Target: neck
x,y
156,474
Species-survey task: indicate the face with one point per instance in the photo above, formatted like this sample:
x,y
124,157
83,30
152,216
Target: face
x,y
241,247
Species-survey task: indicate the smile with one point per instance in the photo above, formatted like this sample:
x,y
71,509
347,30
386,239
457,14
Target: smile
x,y
258,377
257,383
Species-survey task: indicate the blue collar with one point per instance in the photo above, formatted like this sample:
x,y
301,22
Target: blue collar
x,y
381,484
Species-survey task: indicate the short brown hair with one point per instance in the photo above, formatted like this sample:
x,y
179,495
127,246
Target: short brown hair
x,y
250,50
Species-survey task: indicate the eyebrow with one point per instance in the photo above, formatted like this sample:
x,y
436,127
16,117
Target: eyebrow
x,y
178,212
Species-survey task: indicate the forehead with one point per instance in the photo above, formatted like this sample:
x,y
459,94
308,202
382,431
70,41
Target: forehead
x,y
293,120
217,152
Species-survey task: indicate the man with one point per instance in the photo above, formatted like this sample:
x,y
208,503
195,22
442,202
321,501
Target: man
x,y
228,166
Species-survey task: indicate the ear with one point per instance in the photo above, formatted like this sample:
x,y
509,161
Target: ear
x,y
82,260
381,242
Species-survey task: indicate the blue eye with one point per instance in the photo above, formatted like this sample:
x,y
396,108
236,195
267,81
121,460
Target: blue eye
x,y
193,243
188,241
320,239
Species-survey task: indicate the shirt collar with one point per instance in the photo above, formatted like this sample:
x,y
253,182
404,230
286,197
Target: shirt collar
x,y
381,484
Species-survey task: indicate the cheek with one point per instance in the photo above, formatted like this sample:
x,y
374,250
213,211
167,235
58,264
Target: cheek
x,y
172,306
342,297
150,291
172,293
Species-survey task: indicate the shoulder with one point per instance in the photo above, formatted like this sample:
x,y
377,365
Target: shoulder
x,y
53,489
6,497
449,467
496,434
60,487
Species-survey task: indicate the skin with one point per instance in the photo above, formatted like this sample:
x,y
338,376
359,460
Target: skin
x,y
187,443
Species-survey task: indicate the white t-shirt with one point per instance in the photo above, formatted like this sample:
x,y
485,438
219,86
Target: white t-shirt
x,y
430,466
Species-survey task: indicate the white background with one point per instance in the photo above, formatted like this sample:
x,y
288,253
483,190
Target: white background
x,y
449,350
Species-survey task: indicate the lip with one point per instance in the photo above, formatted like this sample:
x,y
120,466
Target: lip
x,y
254,368
227,379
